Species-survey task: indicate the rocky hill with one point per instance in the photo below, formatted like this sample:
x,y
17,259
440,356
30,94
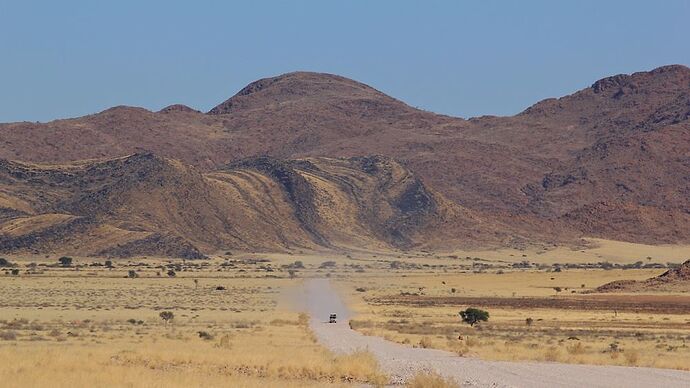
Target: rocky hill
x,y
146,205
610,161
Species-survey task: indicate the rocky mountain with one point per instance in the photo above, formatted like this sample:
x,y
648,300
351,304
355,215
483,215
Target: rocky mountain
x,y
610,161
147,205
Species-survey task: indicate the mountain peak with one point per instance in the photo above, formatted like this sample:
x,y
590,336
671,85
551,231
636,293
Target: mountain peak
x,y
298,85
649,79
178,108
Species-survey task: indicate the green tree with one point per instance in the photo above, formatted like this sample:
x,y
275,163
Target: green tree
x,y
472,316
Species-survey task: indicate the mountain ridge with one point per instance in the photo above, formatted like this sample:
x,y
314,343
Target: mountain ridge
x,y
144,204
608,161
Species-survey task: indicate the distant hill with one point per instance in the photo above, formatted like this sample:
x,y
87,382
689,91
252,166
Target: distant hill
x,y
609,161
673,280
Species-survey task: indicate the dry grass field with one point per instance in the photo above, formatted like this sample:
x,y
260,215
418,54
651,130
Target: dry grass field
x,y
534,315
414,299
94,326
235,324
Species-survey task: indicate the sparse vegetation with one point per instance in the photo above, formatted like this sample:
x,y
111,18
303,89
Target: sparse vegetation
x,y
8,335
396,309
167,316
416,307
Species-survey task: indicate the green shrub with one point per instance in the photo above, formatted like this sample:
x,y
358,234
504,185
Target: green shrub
x,y
473,316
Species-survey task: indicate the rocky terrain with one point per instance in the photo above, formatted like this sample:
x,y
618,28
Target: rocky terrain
x,y
609,161
147,205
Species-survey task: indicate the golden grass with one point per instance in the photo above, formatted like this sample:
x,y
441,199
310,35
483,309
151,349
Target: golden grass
x,y
94,327
554,335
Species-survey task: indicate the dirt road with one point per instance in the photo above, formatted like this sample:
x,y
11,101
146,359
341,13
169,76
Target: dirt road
x,y
400,362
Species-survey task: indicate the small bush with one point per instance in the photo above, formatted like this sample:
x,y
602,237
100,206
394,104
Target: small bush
x,y
425,343
575,349
614,348
473,316
529,321
171,274
167,316
632,357
430,380
65,261
205,335
296,265
551,354
132,274
224,342
8,335
360,289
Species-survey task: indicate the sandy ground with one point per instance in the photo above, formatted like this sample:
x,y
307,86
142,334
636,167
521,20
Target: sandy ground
x,y
400,362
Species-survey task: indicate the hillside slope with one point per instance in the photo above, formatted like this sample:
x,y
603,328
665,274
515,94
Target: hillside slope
x,y
146,205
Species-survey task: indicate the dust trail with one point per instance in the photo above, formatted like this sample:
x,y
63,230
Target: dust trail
x,y
293,297
315,296
321,300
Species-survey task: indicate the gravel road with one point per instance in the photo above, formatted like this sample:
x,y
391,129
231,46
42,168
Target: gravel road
x,y
401,362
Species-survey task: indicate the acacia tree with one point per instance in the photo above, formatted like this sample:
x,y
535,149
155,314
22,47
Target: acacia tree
x,y
473,315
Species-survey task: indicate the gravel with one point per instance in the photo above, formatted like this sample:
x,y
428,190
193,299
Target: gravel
x,y
401,362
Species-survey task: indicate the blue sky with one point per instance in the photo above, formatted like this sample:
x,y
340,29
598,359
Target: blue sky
x,y
463,58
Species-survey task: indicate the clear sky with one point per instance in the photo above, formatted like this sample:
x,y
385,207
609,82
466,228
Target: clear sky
x,y
464,58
